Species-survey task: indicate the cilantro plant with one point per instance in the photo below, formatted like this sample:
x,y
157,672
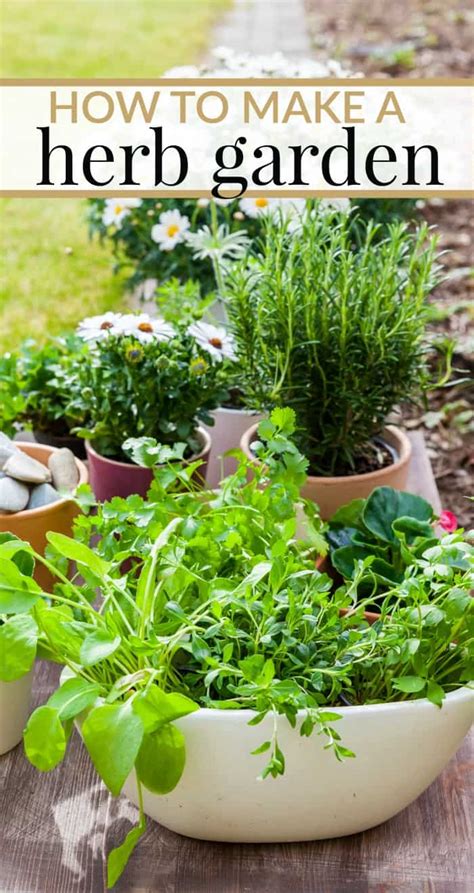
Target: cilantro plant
x,y
210,599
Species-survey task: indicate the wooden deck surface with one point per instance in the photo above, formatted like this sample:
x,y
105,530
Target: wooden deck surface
x,y
55,829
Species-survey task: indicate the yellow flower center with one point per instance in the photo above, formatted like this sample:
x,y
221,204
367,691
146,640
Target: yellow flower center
x,y
172,230
216,342
145,327
118,209
261,202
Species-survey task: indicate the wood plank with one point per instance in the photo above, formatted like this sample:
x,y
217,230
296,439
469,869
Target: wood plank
x,y
56,828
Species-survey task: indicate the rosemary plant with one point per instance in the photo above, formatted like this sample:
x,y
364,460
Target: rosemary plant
x,y
336,333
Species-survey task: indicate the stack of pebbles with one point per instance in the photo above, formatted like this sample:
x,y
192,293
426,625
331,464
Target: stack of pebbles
x,y
27,484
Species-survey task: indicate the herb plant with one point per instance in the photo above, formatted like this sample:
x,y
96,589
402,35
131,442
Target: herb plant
x,y
392,527
161,388
37,387
221,606
336,333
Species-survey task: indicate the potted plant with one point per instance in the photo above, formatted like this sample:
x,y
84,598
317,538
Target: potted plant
x,y
339,335
36,390
143,377
38,486
188,685
18,644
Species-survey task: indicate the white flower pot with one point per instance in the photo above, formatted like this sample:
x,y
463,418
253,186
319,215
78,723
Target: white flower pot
x,y
14,710
400,749
226,433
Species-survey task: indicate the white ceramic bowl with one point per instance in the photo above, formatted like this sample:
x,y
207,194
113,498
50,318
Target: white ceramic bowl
x,y
400,747
15,700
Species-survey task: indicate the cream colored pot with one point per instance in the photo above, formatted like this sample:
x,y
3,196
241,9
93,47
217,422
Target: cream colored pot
x,y
400,749
15,700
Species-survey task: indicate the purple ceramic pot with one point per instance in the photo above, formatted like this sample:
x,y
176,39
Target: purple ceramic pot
x,y
109,478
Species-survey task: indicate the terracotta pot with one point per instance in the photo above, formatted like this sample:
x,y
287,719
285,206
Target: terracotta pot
x,y
32,525
111,478
331,492
75,444
229,426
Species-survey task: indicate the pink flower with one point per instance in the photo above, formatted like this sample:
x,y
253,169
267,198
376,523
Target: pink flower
x,y
448,521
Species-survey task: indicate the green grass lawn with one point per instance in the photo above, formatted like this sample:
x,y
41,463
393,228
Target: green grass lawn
x,y
44,287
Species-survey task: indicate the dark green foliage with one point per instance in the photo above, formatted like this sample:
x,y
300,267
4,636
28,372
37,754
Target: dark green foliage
x,y
335,333
159,389
37,386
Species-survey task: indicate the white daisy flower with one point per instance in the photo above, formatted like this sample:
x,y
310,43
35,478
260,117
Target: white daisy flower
x,y
116,209
215,339
170,230
146,328
255,207
94,328
202,202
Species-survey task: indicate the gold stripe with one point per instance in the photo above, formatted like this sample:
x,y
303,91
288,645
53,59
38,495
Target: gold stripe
x,y
249,193
236,82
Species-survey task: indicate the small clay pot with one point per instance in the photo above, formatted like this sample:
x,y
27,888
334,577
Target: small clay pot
x,y
330,493
111,478
32,525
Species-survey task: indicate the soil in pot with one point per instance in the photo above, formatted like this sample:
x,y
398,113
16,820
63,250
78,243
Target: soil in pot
x,y
113,477
59,441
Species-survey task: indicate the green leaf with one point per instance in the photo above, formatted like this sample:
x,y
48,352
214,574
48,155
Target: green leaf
x,y
45,739
409,684
74,696
18,639
262,749
161,759
113,734
385,505
119,856
256,574
20,552
98,646
435,693
78,552
18,592
155,708
412,528
349,515
344,559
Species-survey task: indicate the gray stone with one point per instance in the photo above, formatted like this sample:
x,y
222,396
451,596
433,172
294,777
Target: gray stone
x,y
24,468
7,449
14,496
43,494
64,471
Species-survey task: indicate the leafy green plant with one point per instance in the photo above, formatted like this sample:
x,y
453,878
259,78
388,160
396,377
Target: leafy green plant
x,y
392,527
337,334
18,629
221,607
159,388
37,387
